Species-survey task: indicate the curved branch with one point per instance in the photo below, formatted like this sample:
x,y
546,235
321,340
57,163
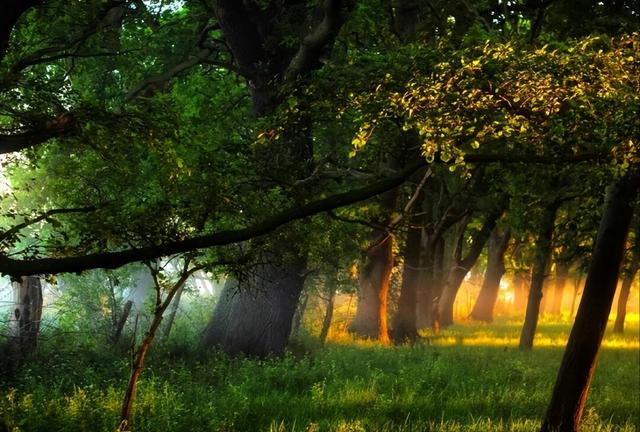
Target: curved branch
x,y
10,266
322,36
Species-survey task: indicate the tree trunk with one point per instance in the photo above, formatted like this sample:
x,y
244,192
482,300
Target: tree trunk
x,y
627,281
580,355
143,349
254,316
298,314
257,320
371,314
437,282
576,291
520,284
541,260
405,325
562,272
172,314
483,309
406,19
126,310
328,315
26,316
461,267
545,301
136,371
448,298
426,290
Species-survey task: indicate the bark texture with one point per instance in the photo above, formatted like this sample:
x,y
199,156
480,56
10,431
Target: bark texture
x,y
405,325
371,313
540,264
580,356
27,313
253,317
483,308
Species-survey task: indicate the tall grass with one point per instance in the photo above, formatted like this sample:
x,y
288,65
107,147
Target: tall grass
x,y
469,378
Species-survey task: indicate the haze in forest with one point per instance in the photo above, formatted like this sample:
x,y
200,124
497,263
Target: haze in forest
x,y
319,215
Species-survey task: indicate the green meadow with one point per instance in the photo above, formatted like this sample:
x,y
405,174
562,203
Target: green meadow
x,y
468,378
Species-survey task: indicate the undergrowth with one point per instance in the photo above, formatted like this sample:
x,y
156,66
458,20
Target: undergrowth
x,y
469,378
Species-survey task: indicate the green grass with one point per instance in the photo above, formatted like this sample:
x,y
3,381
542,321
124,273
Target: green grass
x,y
465,379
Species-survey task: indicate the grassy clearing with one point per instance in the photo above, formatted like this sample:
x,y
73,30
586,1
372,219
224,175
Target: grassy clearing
x,y
465,379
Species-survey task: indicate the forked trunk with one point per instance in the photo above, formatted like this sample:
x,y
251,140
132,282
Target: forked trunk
x,y
541,260
141,353
461,267
581,354
483,309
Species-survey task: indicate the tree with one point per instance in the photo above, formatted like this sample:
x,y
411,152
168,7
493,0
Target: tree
x,y
405,323
268,67
580,356
481,94
538,275
371,310
562,273
25,322
462,264
628,276
498,243
371,313
161,304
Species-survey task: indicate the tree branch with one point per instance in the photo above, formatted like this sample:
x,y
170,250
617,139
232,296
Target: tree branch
x,y
358,221
17,267
69,47
322,36
162,78
17,228
62,125
393,223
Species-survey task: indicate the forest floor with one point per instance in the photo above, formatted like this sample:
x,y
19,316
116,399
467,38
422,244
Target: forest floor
x,y
469,378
